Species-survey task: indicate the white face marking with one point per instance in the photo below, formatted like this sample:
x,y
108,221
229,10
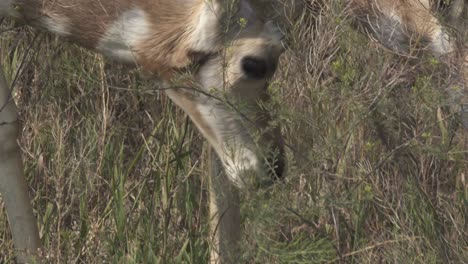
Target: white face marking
x,y
440,43
228,138
238,162
6,8
205,34
129,30
55,24
235,150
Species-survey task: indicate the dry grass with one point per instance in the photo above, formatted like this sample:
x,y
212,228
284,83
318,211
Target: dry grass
x,y
377,163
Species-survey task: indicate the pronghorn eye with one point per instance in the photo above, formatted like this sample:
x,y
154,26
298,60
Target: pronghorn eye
x,y
254,67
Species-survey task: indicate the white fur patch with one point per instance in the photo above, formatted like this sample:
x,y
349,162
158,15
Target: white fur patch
x,y
55,24
6,8
122,37
440,43
205,35
238,161
234,143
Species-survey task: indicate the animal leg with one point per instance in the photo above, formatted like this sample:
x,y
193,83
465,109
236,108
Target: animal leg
x,y
13,186
225,226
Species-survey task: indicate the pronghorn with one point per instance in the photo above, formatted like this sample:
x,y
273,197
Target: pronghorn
x,y
393,22
400,24
234,53
404,26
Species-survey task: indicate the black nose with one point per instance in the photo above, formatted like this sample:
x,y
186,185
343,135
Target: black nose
x,y
254,67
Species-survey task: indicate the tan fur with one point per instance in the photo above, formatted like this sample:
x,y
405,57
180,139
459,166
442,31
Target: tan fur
x,y
416,22
414,15
171,24
170,46
163,37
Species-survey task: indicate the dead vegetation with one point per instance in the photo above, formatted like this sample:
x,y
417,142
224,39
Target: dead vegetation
x,y
377,162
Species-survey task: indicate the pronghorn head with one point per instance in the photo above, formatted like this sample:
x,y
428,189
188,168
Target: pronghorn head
x,y
235,50
237,76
